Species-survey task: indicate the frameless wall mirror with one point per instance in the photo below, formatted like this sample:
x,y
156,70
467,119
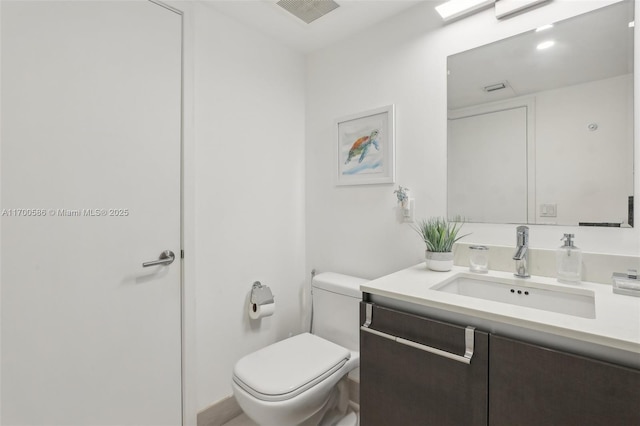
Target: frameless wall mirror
x,y
540,125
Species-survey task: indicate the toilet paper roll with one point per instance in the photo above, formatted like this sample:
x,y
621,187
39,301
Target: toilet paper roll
x,y
261,311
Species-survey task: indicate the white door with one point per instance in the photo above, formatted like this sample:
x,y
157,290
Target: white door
x,y
90,175
478,190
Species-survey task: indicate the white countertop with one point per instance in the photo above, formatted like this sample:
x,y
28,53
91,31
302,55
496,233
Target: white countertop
x,y
616,323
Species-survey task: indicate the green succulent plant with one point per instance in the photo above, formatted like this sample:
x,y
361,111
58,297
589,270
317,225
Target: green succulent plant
x,y
438,234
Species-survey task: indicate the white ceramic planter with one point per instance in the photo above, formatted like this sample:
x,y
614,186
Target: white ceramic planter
x,y
441,262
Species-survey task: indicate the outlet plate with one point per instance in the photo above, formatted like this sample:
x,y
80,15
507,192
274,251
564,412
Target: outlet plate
x,y
548,210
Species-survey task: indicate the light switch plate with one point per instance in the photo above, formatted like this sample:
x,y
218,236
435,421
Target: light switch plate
x,y
409,218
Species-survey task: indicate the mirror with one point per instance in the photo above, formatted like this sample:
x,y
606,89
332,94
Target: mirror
x,y
540,125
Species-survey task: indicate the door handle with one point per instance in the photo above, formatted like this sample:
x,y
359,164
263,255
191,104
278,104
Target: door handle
x,y
166,258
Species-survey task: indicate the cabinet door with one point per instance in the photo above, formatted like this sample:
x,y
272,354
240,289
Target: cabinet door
x,y
532,385
403,385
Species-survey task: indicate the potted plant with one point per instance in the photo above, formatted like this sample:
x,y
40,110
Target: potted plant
x,y
439,235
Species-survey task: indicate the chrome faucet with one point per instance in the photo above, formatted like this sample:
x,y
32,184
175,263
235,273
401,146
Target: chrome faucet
x,y
521,255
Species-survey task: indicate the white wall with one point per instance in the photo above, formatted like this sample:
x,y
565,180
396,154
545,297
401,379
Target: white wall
x,y
249,194
403,61
587,174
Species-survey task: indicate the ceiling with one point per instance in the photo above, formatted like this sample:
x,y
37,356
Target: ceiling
x,y
589,47
350,18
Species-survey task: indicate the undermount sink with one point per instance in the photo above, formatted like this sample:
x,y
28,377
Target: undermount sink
x,y
564,300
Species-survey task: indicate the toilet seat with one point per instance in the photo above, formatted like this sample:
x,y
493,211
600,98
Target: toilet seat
x,y
288,368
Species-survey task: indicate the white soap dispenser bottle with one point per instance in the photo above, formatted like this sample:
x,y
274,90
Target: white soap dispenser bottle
x,y
569,261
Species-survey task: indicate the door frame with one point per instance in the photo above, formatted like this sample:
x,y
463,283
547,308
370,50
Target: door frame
x,y
187,203
529,103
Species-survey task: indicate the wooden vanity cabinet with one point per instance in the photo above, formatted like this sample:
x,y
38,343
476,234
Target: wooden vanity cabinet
x,y
508,382
402,385
531,385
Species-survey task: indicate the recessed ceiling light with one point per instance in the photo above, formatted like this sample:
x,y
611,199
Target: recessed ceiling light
x,y
457,8
632,24
545,45
544,27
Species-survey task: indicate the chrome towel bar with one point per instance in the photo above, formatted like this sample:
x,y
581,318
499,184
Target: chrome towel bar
x,y
468,338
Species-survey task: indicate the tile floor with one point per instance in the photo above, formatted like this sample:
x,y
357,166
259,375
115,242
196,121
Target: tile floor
x,y
241,420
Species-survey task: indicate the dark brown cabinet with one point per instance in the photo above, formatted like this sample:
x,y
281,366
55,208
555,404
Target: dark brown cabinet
x,y
403,385
507,382
531,385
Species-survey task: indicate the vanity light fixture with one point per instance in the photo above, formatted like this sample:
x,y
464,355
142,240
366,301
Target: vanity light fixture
x,y
457,8
545,45
507,8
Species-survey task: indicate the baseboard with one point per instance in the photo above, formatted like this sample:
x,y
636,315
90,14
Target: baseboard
x,y
227,409
219,413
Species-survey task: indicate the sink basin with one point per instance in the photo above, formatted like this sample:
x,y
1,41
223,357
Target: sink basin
x,y
564,300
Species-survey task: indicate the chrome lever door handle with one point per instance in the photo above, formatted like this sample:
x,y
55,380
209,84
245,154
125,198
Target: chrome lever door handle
x,y
166,258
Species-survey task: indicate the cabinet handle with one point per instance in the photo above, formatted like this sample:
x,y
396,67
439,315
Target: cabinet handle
x,y
468,338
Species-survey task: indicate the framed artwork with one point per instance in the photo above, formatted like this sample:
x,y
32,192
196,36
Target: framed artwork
x,y
366,147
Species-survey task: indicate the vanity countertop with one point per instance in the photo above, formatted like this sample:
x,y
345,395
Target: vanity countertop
x,y
616,323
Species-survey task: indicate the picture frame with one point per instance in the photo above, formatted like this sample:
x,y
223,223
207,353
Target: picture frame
x,y
366,147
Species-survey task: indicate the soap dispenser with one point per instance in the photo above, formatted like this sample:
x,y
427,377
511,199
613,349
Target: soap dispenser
x,y
569,261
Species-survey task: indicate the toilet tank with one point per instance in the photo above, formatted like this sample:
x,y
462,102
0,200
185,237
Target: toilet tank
x,y
336,308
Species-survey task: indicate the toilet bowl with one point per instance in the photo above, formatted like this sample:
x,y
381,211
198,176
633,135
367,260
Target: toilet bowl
x,y
288,382
301,380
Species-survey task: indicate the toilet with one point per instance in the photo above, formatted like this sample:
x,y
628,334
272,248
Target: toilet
x,y
302,380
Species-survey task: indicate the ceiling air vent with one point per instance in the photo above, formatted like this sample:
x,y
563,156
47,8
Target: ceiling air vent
x,y
308,10
494,87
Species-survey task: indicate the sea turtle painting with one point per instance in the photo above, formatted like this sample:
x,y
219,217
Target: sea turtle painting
x,y
361,146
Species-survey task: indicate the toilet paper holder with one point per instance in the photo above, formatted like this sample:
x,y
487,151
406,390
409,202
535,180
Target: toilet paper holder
x,y
261,294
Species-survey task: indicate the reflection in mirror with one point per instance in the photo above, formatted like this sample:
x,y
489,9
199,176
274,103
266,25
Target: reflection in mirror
x,y
540,125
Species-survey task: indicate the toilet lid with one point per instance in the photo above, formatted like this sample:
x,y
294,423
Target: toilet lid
x,y
289,367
